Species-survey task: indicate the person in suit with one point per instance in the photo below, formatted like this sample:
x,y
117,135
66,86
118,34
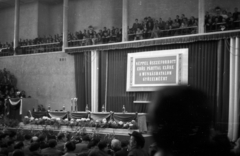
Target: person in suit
x,y
83,146
136,144
51,150
124,150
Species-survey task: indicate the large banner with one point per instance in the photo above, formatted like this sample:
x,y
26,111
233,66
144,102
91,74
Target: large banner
x,y
149,70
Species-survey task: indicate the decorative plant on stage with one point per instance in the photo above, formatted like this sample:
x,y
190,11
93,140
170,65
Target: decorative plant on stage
x,y
83,122
26,120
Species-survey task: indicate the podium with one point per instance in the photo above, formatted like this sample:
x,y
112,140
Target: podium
x,y
18,107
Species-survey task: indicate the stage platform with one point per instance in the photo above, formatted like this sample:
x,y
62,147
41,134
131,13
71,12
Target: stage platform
x,y
121,134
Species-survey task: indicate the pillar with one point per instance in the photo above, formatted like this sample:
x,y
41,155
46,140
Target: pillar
x,y
65,24
125,21
201,16
94,80
233,120
16,25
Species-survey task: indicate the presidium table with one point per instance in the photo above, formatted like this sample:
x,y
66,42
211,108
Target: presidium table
x,y
140,118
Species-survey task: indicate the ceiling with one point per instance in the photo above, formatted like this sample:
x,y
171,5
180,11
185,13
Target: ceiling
x,y
10,3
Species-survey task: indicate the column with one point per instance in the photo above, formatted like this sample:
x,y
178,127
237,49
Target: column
x,y
233,121
65,24
201,16
125,21
16,25
94,80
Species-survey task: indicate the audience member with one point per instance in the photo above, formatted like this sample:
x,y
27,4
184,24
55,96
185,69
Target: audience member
x,y
42,141
103,148
93,148
19,146
180,124
34,149
69,148
18,153
136,144
83,146
124,150
61,139
51,150
115,145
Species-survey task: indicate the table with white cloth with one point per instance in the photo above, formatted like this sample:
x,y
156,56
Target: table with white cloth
x,y
116,116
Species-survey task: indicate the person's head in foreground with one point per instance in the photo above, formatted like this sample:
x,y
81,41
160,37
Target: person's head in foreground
x,y
180,118
136,140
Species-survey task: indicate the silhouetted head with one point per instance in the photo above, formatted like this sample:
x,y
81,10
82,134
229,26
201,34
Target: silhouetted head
x,y
180,118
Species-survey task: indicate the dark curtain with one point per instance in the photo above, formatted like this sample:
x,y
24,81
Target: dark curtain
x,y
202,74
222,106
83,79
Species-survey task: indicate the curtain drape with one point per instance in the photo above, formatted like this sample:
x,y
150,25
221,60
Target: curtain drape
x,y
83,80
222,106
202,74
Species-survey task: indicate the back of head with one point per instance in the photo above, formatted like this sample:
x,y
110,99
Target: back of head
x,y
116,144
52,143
60,136
18,153
124,143
12,134
70,146
86,138
34,147
27,137
180,118
19,145
41,138
102,145
138,138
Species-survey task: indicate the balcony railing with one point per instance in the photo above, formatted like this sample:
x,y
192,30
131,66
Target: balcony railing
x,y
40,48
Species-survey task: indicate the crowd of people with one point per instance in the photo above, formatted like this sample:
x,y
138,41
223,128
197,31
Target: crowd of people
x,y
153,28
215,20
92,37
180,120
13,144
220,19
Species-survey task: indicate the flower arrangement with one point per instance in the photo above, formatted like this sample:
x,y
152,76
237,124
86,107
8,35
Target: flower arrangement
x,y
83,122
26,120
